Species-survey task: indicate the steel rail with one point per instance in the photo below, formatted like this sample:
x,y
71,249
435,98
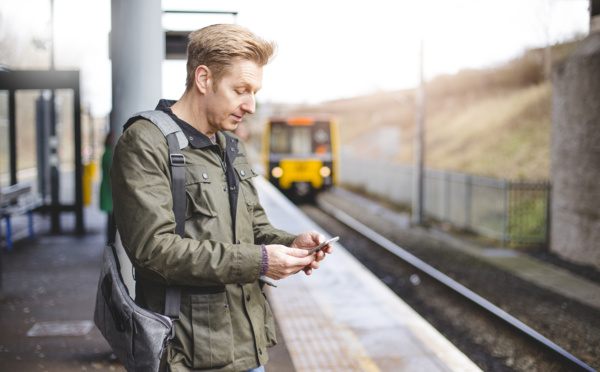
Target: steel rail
x,y
447,281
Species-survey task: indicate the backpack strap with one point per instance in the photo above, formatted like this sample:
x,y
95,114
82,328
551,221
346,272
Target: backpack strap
x,y
177,161
176,141
163,121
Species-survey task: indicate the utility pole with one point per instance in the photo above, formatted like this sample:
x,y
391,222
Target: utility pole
x,y
548,48
417,200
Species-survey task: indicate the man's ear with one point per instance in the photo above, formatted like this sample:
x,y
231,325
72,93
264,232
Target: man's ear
x,y
203,78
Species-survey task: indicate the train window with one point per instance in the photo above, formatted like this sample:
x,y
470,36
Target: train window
x,y
290,140
279,139
321,138
301,141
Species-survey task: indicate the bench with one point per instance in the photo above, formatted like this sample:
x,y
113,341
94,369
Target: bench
x,y
17,200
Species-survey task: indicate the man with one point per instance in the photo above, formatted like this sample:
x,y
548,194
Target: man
x,y
226,323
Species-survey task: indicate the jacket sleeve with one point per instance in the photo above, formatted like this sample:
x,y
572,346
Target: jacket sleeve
x,y
264,232
143,208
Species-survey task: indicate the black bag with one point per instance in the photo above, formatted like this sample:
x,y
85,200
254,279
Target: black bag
x,y
139,337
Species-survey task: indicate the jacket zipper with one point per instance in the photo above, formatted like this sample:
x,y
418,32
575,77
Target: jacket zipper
x,y
221,161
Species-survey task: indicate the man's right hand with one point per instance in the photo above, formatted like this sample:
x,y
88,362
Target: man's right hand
x,y
285,261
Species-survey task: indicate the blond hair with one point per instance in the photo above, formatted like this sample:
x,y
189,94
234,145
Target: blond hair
x,y
219,46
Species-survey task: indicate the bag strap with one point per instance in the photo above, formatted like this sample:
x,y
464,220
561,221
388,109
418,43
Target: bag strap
x,y
163,121
176,141
177,162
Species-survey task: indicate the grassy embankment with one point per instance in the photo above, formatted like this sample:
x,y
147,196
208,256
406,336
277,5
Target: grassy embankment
x,y
493,122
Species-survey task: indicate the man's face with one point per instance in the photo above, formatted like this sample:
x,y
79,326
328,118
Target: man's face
x,y
235,96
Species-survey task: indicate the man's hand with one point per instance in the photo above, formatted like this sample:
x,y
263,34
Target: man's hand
x,y
308,240
284,261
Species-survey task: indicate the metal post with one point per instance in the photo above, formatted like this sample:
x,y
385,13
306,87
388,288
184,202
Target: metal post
x,y
447,196
54,162
137,50
468,201
507,215
54,143
79,223
43,153
548,192
12,133
30,224
417,202
8,234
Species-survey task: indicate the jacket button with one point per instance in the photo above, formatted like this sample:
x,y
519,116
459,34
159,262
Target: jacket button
x,y
243,173
231,149
225,188
247,297
238,242
260,351
205,176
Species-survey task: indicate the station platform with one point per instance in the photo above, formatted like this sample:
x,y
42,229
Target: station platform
x,y
340,318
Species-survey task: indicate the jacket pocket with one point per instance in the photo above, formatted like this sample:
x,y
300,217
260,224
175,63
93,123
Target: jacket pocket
x,y
200,202
212,331
270,334
245,175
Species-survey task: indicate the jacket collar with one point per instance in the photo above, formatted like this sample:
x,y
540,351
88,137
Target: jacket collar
x,y
196,138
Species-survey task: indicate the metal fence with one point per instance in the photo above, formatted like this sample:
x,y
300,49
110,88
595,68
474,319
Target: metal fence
x,y
512,212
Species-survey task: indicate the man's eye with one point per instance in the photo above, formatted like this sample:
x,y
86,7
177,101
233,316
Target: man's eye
x,y
240,91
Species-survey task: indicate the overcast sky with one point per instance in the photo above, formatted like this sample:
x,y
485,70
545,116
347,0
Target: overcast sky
x,y
328,49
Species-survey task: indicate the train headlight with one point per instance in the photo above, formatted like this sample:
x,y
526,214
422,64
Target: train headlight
x,y
325,172
277,172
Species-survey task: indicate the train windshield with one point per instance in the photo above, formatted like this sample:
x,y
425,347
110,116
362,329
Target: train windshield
x,y
300,140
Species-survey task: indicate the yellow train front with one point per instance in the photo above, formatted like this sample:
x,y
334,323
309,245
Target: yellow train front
x,y
301,153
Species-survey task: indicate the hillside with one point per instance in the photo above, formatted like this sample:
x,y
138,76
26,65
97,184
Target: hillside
x,y
493,122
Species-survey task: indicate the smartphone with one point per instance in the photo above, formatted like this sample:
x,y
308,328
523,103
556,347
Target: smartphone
x,y
326,242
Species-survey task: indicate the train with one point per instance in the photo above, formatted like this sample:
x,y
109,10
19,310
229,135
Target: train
x,y
301,153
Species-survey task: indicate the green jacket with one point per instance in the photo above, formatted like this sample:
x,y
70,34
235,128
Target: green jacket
x,y
226,323
105,193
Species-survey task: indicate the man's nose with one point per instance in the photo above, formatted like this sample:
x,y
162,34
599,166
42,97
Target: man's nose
x,y
249,105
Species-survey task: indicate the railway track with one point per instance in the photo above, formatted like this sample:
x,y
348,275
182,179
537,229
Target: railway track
x,y
493,332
